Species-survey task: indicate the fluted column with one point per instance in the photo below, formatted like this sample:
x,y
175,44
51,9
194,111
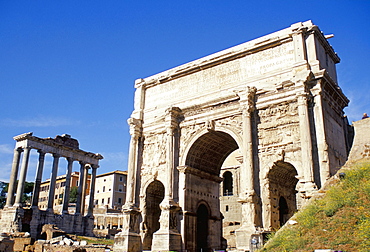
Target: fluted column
x,y
13,177
53,177
22,177
247,195
135,132
80,187
92,190
168,238
38,178
306,143
129,239
67,188
322,146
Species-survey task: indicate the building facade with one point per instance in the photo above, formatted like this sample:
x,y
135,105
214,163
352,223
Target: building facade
x,y
60,187
111,189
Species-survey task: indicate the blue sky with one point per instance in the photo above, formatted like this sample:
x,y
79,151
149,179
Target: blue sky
x,y
70,66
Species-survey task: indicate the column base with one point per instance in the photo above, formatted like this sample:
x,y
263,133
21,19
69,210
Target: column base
x,y
127,242
243,238
166,240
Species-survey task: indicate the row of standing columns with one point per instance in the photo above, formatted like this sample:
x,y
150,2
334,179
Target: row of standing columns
x,y
16,200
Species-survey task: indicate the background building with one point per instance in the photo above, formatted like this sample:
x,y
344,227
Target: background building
x,y
110,189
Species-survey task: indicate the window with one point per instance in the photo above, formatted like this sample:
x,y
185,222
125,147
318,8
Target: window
x,y
105,180
227,208
102,201
103,188
108,201
228,184
121,178
119,200
120,188
96,202
56,196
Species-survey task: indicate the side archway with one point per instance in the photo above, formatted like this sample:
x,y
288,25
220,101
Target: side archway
x,y
154,195
281,193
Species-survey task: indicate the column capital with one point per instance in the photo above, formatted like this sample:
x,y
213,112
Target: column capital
x,y
135,126
19,149
247,99
41,152
55,155
303,97
173,117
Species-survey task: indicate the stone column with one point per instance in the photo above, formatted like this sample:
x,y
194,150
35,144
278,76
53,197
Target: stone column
x,y
22,177
67,187
53,177
92,191
306,146
322,146
168,238
13,177
129,239
247,195
80,187
84,188
38,178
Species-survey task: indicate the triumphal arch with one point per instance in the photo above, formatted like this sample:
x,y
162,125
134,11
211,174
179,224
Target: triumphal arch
x,y
273,100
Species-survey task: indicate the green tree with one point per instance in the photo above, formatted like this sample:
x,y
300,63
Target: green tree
x,y
73,195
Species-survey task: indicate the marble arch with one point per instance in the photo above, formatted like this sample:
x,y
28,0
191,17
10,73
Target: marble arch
x,y
275,98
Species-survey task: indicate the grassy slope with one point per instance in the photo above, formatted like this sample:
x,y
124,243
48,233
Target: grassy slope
x,y
340,220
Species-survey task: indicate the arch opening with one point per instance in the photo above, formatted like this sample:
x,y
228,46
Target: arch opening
x,y
210,151
227,183
154,196
282,193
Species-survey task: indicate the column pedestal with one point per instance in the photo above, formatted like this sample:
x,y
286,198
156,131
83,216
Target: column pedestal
x,y
247,229
168,238
129,239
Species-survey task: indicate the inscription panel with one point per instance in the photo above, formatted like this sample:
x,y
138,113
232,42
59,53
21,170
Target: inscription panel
x,y
220,80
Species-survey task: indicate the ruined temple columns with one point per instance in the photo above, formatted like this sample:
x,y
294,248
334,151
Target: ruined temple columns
x,y
168,238
53,177
22,177
67,186
80,188
92,191
13,177
306,146
36,188
247,196
129,240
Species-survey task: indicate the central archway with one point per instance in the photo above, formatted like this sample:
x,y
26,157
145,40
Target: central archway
x,y
201,176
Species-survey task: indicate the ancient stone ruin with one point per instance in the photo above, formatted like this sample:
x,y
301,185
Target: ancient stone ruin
x,y
17,217
273,103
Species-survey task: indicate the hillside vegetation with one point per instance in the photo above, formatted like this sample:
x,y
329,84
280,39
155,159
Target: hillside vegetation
x,y
340,220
